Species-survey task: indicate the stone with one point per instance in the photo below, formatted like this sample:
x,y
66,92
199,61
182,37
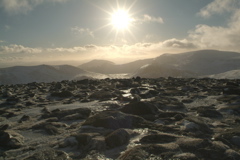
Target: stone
x,y
11,139
236,140
49,154
149,151
117,138
211,113
82,113
158,138
62,94
140,108
102,95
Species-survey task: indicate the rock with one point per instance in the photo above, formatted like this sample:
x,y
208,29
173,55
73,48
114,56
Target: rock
x,y
211,113
62,94
228,135
149,151
51,128
192,144
236,140
117,138
185,156
49,154
115,120
102,95
4,127
202,126
24,118
140,108
111,120
190,126
69,142
231,155
11,139
80,113
83,139
90,141
158,138
218,145
231,91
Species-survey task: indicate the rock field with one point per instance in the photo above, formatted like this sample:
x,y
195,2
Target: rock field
x,y
125,119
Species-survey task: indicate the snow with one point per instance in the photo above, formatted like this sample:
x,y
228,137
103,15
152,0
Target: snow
x,y
192,64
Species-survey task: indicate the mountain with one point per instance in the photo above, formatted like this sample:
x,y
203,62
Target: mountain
x,y
108,67
191,64
234,74
41,73
203,63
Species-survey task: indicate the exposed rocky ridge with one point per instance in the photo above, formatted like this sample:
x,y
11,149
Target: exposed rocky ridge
x,y
164,118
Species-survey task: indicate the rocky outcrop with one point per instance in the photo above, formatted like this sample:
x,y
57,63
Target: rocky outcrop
x,y
138,118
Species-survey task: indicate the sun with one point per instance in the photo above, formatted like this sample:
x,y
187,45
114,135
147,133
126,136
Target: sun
x,y
121,19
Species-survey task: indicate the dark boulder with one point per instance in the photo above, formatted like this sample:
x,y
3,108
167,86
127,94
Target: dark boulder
x,y
48,154
102,95
159,138
140,108
115,120
68,114
151,151
10,139
117,138
62,94
207,112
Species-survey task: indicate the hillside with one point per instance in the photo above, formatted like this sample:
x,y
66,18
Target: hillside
x,y
108,67
41,73
193,64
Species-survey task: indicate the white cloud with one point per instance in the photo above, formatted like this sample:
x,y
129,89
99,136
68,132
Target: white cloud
x,y
83,31
148,18
218,7
176,43
22,6
1,41
219,37
121,54
18,49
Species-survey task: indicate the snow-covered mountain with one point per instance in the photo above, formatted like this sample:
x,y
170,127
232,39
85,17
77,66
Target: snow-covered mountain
x,y
108,67
204,63
43,73
191,64
234,74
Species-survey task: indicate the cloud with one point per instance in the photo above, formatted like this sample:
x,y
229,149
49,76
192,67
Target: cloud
x,y
148,18
22,6
175,43
18,49
83,31
119,54
1,41
218,7
219,37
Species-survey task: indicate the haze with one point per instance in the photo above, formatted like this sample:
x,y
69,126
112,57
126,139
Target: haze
x,y
76,31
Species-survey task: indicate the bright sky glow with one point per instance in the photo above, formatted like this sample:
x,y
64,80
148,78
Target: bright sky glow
x,y
117,30
121,19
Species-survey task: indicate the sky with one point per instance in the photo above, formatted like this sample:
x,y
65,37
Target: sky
x,y
75,31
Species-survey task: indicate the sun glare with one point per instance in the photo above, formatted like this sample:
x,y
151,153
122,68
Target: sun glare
x,y
121,19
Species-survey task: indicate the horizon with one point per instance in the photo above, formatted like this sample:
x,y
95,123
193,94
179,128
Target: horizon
x,y
77,63
42,32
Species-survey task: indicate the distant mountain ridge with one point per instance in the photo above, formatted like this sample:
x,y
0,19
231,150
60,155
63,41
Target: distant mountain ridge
x,y
41,73
192,64
196,64
108,67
